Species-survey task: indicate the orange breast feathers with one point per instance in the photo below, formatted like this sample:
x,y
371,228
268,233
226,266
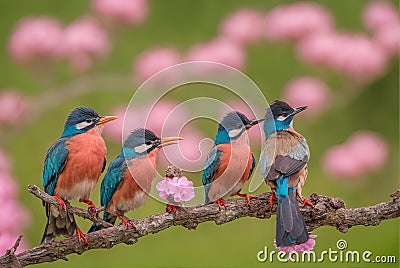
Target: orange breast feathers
x,y
86,153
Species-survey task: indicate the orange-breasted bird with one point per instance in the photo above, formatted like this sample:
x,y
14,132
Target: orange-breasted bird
x,y
72,167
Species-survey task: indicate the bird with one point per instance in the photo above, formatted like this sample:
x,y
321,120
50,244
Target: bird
x,y
72,167
283,163
128,179
230,161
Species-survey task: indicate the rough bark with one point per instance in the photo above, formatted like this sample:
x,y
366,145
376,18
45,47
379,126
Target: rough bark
x,y
329,211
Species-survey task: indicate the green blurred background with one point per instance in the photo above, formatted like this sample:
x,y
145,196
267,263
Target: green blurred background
x,y
181,24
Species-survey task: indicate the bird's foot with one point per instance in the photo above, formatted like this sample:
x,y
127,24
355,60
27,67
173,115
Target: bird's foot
x,y
306,202
61,203
127,222
81,236
172,208
271,200
92,207
248,197
221,203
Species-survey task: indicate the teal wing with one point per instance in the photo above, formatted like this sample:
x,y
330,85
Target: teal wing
x,y
211,166
54,164
112,180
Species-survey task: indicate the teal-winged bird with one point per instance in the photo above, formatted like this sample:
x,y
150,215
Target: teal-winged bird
x,y
283,164
72,167
230,162
128,180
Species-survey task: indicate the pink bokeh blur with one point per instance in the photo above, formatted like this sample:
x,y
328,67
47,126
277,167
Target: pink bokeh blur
x,y
121,12
35,41
363,152
82,42
153,61
13,107
379,14
295,21
244,26
308,91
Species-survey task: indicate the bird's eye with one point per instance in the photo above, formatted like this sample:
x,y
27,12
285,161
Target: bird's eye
x,y
148,142
88,121
284,114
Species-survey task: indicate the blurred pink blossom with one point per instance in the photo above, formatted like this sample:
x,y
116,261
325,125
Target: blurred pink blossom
x,y
153,61
388,38
354,55
82,42
295,21
14,218
308,91
121,12
35,40
244,26
113,129
379,14
13,107
304,247
8,189
363,152
178,189
221,50
7,241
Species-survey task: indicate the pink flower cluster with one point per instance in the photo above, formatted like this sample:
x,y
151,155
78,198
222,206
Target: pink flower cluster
x,y
308,91
295,21
14,218
176,189
305,247
13,107
42,40
121,12
363,152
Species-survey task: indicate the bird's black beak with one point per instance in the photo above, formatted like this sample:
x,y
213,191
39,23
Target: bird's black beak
x,y
298,110
169,141
254,122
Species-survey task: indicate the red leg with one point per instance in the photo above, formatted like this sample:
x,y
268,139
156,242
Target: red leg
x,y
126,222
81,235
271,199
221,203
61,202
92,207
247,197
306,202
172,208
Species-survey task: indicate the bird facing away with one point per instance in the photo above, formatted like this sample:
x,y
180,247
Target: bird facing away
x,y
128,180
283,164
72,167
230,162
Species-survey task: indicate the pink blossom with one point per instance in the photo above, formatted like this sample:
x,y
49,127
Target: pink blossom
x,y
368,149
221,50
153,61
388,38
308,91
83,41
244,26
35,40
13,107
121,12
379,14
304,247
7,240
14,217
8,189
297,20
180,189
113,129
363,152
354,55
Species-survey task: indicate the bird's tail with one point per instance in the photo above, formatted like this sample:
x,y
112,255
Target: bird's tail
x,y
290,226
57,225
106,217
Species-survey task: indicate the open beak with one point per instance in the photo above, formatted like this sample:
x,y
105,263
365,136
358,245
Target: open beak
x,y
169,141
105,119
298,110
254,122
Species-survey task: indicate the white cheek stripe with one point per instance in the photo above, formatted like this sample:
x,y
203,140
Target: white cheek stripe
x,y
142,148
82,125
234,132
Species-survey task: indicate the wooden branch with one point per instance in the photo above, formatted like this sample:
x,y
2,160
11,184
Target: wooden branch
x,y
327,211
